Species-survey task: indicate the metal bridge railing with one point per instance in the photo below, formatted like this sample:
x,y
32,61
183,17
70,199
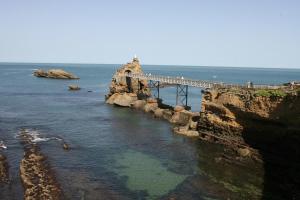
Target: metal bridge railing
x,y
194,83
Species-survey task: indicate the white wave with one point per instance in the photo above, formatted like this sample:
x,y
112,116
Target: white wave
x,y
2,145
36,137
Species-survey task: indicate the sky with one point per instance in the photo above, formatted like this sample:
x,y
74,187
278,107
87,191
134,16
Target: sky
x,y
241,33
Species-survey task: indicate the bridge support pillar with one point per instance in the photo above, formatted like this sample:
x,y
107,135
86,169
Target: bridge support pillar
x,y
154,86
181,95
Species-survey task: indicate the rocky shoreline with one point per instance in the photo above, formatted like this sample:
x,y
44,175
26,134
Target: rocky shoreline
x,y
260,124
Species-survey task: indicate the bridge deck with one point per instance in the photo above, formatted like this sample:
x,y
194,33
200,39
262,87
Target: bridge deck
x,y
194,83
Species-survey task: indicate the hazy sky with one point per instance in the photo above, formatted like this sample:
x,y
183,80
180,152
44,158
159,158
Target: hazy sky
x,y
258,33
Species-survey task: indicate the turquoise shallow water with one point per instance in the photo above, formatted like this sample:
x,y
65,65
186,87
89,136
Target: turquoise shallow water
x,y
118,153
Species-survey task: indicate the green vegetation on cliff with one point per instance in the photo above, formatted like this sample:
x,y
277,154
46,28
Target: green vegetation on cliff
x,y
270,93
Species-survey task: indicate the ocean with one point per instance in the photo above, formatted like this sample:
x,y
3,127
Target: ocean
x,y
119,153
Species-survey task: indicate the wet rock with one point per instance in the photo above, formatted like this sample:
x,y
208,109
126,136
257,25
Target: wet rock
x,y
3,169
74,87
55,74
66,146
38,179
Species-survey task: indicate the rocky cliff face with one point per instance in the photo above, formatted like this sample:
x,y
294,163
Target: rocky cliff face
x,y
120,83
229,113
263,122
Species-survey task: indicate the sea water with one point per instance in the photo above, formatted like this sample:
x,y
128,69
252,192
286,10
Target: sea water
x,y
119,153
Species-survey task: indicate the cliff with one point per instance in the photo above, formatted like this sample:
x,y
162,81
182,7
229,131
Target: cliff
x,y
233,113
121,84
258,123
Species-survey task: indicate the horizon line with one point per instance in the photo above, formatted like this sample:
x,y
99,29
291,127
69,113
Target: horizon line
x,y
175,65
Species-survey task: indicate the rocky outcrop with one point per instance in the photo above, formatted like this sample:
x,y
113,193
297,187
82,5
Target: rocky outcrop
x,y
38,179
122,84
229,113
260,124
54,73
3,169
74,87
134,93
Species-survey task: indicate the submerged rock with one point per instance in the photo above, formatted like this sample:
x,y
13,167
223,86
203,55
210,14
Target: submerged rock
x,y
55,74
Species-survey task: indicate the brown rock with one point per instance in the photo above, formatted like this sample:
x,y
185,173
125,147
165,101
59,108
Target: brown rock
x,y
150,107
167,114
124,100
55,74
138,104
151,100
244,152
74,87
159,113
181,118
66,146
178,108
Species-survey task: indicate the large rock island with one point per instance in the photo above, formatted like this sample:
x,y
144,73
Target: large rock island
x,y
54,73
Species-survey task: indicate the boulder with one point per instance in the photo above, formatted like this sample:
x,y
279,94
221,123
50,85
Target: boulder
x,y
74,87
181,118
55,74
178,108
244,152
150,107
124,100
111,99
151,100
159,113
138,104
183,130
167,114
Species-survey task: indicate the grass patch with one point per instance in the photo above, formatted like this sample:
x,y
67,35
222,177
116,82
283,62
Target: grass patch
x,y
270,93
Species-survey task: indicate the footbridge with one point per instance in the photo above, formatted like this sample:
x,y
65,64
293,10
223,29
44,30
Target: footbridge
x,y
182,84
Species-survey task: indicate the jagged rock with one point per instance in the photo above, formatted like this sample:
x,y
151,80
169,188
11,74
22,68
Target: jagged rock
x,y
55,74
74,87
121,84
